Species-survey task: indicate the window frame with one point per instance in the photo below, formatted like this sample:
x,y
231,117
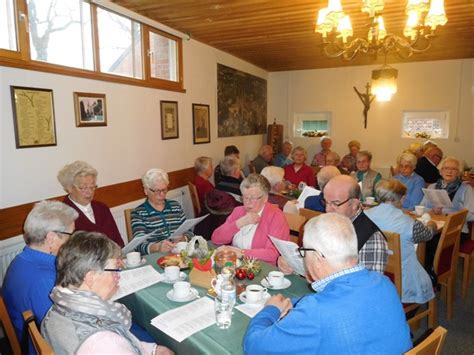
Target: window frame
x,y
22,58
441,115
299,117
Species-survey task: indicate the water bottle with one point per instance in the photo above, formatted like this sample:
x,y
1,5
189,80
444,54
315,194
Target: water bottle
x,y
228,292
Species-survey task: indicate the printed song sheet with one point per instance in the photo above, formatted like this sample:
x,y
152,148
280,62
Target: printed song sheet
x,y
438,198
289,251
307,192
135,242
187,225
136,279
249,310
182,322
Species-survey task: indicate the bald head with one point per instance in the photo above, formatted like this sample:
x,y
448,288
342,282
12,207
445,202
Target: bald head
x,y
345,183
342,196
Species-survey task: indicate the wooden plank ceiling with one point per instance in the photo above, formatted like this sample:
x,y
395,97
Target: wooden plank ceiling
x,y
279,35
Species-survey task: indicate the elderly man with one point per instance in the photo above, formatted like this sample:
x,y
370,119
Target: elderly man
x,y
231,178
324,175
282,159
427,165
354,310
230,150
342,196
264,158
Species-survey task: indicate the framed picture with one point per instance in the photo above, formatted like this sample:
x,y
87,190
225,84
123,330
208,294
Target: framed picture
x,y
201,126
33,117
90,109
169,119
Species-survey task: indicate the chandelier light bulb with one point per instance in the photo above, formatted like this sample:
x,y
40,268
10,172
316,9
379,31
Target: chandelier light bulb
x,y
372,7
436,15
345,28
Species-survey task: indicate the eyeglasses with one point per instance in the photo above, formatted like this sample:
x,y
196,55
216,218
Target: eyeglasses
x,y
66,233
251,199
85,188
158,191
334,203
303,251
114,270
447,168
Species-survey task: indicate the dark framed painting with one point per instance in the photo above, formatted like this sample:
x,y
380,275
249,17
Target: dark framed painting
x,y
169,119
33,117
201,124
90,109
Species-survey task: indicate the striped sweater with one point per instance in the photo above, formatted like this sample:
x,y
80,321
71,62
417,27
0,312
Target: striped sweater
x,y
146,219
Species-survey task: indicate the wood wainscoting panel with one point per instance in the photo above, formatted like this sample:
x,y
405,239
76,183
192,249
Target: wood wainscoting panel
x,y
13,218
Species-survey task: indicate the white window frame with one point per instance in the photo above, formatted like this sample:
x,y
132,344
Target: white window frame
x,y
442,116
298,119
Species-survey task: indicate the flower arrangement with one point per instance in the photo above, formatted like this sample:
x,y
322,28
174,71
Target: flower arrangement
x,y
314,134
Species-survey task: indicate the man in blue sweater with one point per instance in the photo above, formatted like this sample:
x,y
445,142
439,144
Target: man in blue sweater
x,y
354,311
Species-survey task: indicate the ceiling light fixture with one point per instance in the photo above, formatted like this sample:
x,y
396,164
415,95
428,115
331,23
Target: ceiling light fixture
x,y
422,20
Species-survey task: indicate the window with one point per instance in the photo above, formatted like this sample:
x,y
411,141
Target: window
x,y
312,124
8,38
81,38
425,124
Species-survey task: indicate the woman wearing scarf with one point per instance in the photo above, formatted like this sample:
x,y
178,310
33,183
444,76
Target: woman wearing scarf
x,y
82,319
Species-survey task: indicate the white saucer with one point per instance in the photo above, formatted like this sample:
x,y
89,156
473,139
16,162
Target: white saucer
x,y
182,277
193,294
285,284
243,298
128,266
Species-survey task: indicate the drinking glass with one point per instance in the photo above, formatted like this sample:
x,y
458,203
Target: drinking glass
x,y
223,313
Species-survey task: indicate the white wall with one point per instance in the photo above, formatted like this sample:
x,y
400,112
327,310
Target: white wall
x,y
130,144
440,85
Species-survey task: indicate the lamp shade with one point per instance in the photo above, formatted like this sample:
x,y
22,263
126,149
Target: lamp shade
x,y
384,83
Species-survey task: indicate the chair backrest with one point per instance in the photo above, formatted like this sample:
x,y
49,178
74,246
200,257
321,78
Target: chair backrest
x,y
432,345
8,327
128,223
393,269
446,256
308,214
194,199
41,345
252,169
296,223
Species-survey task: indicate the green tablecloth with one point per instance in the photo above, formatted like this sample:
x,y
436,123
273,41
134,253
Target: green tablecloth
x,y
152,301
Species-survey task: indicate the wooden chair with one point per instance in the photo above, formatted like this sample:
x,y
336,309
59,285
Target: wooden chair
x,y
41,346
252,169
308,214
296,223
128,223
9,330
393,269
466,254
432,345
194,199
446,256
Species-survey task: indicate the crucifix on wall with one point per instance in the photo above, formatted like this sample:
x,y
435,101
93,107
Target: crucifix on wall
x,y
366,99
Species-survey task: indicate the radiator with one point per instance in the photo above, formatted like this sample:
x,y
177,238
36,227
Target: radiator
x,y
10,247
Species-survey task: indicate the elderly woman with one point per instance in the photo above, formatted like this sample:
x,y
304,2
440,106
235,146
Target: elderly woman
x,y
299,171
248,228
157,218
79,180
388,216
31,275
82,319
203,168
349,161
231,176
274,175
333,159
324,175
319,159
365,174
406,164
460,194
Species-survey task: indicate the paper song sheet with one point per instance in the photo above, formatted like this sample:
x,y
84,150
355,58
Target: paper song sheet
x,y
135,242
187,225
307,192
136,279
182,322
249,310
438,198
289,251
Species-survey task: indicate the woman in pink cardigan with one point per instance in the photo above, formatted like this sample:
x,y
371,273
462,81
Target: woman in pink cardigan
x,y
248,228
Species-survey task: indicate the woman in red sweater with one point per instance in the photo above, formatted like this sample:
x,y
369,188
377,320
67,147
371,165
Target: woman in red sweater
x,y
299,171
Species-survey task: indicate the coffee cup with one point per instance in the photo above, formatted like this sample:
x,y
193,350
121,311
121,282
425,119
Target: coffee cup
x,y
275,278
133,258
255,293
419,210
172,273
181,289
179,247
369,200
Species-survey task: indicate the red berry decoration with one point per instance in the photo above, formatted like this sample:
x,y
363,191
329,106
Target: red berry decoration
x,y
240,274
250,275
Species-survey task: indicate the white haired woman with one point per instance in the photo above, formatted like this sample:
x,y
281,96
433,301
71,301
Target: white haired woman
x,y
274,175
319,159
248,227
406,164
82,319
349,161
299,171
365,174
32,274
416,283
157,215
79,180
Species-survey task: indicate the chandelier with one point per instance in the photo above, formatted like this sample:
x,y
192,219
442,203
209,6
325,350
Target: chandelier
x,y
422,19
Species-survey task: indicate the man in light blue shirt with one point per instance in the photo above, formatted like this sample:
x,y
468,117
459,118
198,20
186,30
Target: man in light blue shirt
x,y
283,158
